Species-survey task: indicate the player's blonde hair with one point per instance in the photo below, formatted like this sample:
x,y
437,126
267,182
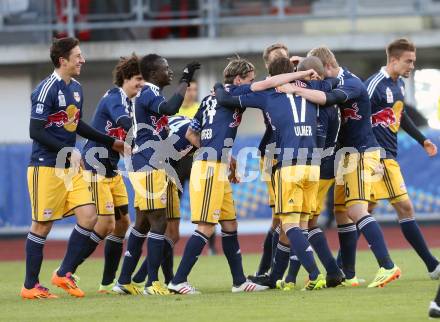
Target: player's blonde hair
x,y
325,55
237,66
270,49
398,47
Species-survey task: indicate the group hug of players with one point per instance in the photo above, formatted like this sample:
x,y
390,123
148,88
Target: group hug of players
x,y
324,126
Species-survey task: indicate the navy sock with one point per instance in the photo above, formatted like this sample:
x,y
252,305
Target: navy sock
x,y
303,251
348,237
141,274
112,255
294,266
280,262
319,243
437,297
34,258
275,239
193,249
155,243
266,258
132,255
94,241
369,227
168,260
414,236
231,249
78,242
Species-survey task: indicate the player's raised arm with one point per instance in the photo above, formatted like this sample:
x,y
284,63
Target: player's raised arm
x,y
278,80
172,106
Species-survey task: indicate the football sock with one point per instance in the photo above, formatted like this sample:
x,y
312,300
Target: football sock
x,y
294,266
280,262
348,237
132,255
303,251
414,236
155,244
141,274
112,255
168,260
266,258
192,251
319,243
231,249
78,242
275,239
94,241
34,258
373,234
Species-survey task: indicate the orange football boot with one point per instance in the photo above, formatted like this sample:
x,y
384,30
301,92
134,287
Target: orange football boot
x,y
67,283
37,292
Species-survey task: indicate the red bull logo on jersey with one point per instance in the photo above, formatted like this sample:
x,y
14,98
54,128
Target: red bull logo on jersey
x,y
237,119
351,113
159,124
68,118
115,132
388,117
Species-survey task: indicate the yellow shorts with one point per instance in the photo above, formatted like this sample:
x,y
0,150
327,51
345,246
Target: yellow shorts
x,y
173,201
210,193
339,198
150,189
55,194
268,177
296,189
108,193
392,186
360,171
324,187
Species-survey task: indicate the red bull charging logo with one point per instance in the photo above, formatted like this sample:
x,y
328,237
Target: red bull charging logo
x,y
68,118
388,117
159,124
237,119
351,113
115,132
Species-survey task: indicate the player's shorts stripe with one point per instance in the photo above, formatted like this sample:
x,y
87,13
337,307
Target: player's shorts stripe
x,y
373,84
45,88
388,181
359,176
151,184
206,195
35,192
169,200
362,194
280,192
148,191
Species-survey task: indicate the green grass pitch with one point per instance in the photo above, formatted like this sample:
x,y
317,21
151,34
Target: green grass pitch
x,y
403,300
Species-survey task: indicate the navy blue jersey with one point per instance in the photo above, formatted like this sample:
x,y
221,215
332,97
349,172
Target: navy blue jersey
x,y
59,104
356,130
293,119
178,126
149,124
113,106
329,123
387,103
268,136
217,125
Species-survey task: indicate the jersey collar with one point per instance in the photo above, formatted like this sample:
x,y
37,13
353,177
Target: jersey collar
x,y
384,72
57,76
341,72
153,86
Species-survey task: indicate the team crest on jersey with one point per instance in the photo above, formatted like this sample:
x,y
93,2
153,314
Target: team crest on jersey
x,y
237,119
47,213
216,214
40,108
61,99
76,96
163,198
351,113
109,205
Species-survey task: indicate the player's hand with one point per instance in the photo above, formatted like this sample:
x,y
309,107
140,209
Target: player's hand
x,y
295,60
233,174
121,147
75,159
287,88
430,148
312,75
188,72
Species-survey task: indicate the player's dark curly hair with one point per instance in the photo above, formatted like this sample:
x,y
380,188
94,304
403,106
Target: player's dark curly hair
x,y
149,64
126,68
237,66
280,65
61,48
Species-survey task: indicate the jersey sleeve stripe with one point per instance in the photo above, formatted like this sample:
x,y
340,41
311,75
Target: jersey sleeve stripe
x,y
45,89
373,84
